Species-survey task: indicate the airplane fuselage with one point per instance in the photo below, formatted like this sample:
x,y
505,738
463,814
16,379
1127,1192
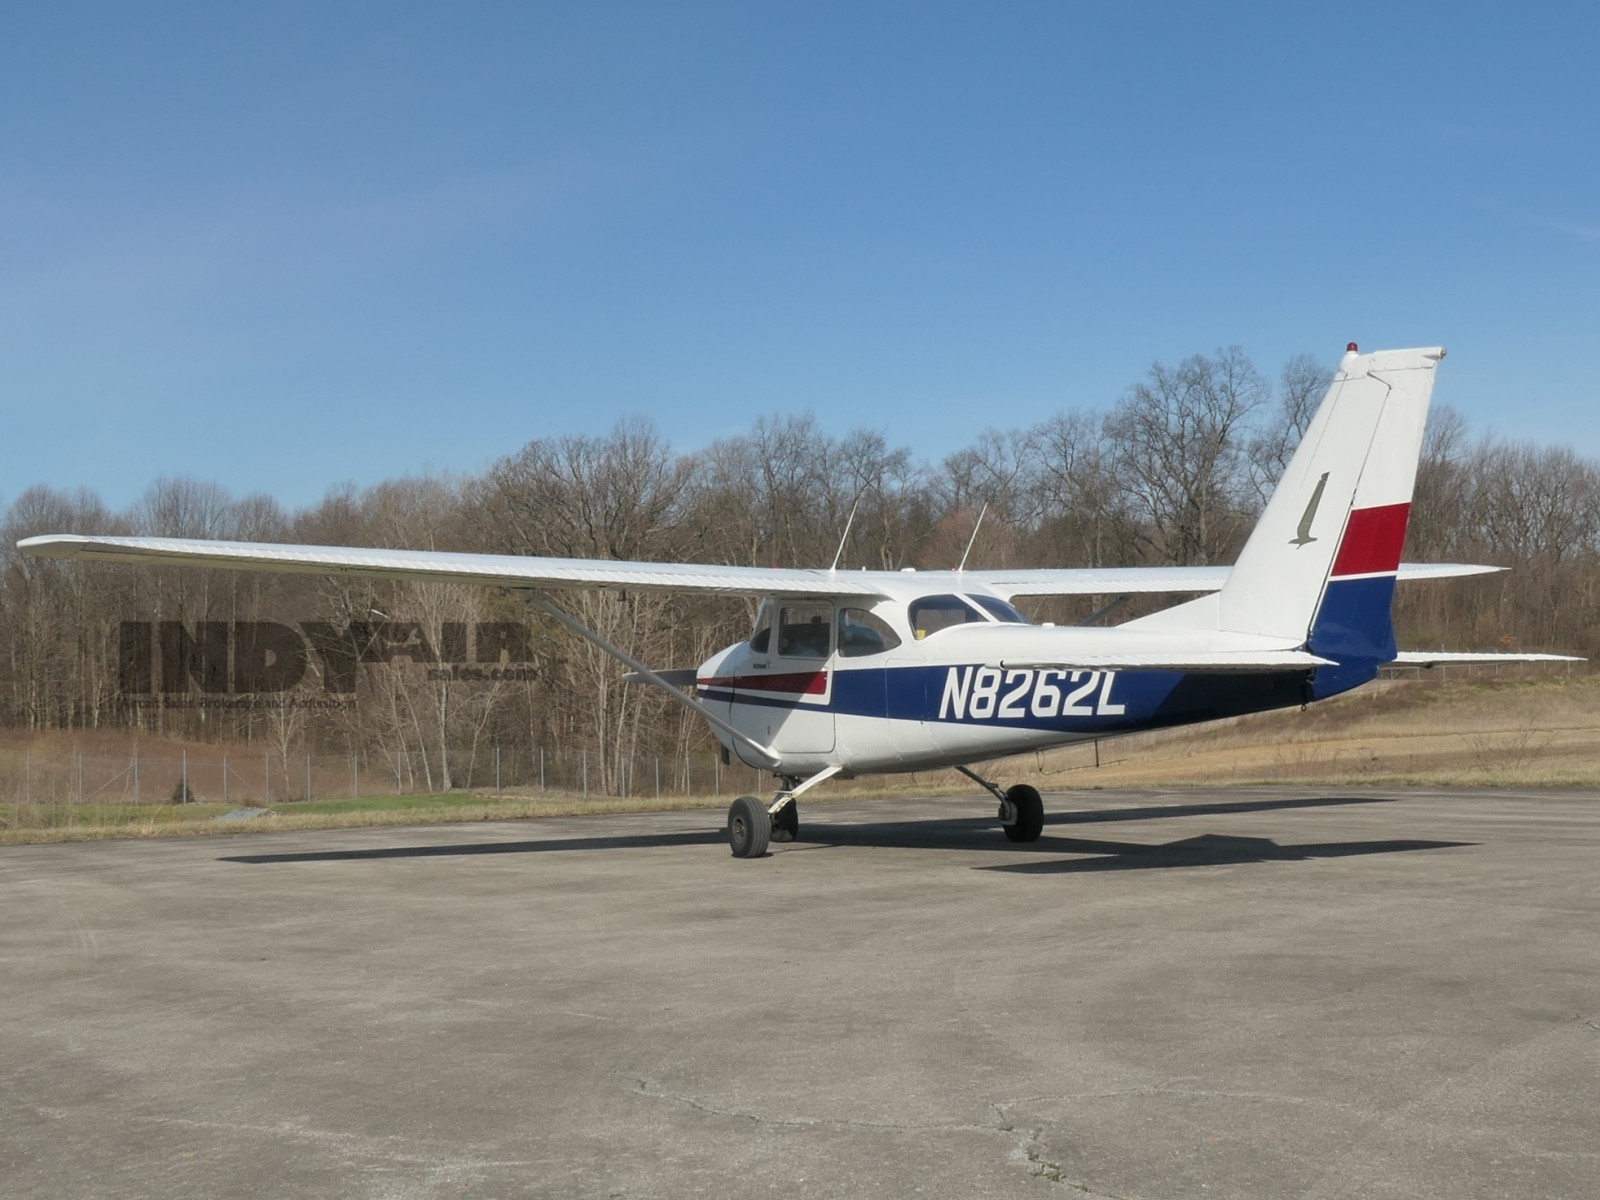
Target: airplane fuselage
x,y
948,673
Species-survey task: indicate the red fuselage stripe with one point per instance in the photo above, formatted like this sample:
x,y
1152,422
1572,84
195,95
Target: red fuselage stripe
x,y
1372,541
803,683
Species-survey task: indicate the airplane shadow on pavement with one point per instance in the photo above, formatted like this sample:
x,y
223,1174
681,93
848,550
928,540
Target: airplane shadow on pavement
x,y
962,833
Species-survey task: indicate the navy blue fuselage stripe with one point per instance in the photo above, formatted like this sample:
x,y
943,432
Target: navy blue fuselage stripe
x,y
1148,698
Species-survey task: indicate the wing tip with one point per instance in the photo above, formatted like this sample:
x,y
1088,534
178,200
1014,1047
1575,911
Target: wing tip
x,y
54,545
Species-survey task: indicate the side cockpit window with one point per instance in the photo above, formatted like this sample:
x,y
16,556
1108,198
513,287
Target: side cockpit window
x,y
805,630
861,633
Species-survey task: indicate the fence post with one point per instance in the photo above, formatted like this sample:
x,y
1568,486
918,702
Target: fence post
x,y
185,792
497,766
585,774
716,773
80,776
136,777
266,777
308,775
224,779
658,777
541,768
355,776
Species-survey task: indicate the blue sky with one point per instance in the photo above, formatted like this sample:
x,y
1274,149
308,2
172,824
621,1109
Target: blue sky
x,y
284,246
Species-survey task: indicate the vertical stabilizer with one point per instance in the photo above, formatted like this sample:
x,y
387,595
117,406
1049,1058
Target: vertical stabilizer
x,y
1339,513
1320,565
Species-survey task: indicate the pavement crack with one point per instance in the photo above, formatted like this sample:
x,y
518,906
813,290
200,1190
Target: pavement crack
x,y
1167,1089
388,1150
1028,1144
652,1090
1043,1168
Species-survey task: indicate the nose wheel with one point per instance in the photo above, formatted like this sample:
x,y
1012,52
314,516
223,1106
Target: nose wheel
x,y
786,822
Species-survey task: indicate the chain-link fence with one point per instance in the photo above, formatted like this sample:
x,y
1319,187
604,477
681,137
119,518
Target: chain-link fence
x,y
33,776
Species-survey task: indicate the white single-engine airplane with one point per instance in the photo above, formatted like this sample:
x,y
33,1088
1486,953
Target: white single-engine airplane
x,y
857,672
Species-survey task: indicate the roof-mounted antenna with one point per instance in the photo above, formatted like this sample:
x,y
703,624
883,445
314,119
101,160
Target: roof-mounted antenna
x,y
982,512
846,537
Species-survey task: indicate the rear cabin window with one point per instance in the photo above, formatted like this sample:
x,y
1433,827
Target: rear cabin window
x,y
933,613
805,630
861,633
1000,610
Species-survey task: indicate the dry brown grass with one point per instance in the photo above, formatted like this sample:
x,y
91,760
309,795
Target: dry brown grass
x,y
1523,733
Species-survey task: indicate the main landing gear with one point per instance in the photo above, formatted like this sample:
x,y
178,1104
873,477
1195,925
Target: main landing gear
x,y
1021,808
752,824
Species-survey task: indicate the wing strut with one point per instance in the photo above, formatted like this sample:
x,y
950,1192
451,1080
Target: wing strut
x,y
644,672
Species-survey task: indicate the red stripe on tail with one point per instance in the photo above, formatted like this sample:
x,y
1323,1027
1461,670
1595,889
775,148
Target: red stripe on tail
x,y
1372,540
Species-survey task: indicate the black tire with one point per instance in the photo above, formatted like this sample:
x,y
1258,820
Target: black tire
x,y
1030,813
786,824
749,827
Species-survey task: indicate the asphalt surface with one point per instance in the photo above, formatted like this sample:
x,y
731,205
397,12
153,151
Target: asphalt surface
x,y
1263,993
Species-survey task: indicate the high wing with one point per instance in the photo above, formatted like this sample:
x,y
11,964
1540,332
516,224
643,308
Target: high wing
x,y
511,570
503,570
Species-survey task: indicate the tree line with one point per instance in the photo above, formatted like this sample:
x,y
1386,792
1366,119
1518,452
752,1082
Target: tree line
x,y
1174,470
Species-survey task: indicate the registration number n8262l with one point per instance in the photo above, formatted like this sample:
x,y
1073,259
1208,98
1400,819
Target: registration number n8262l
x,y
1000,694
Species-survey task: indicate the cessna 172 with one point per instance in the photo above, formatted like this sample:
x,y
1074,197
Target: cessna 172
x,y
855,672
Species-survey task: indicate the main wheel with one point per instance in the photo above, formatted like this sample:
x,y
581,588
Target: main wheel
x,y
786,823
1028,806
749,827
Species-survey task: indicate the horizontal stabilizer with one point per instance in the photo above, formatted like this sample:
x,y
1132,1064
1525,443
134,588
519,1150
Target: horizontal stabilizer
x,y
1444,658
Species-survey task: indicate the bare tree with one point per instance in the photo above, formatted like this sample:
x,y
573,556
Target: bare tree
x,y
1180,436
1302,383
